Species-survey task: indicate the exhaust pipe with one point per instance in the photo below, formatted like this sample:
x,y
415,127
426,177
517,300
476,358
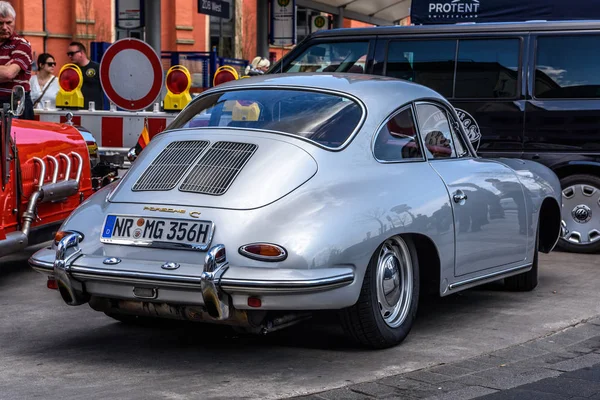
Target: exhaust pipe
x,y
17,241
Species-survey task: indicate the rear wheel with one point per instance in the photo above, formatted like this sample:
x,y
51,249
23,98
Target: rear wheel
x,y
580,213
387,305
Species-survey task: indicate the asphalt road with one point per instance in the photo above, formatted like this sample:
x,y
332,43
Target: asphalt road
x,y
52,351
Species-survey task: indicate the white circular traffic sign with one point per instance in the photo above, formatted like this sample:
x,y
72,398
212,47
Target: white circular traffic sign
x,y
131,74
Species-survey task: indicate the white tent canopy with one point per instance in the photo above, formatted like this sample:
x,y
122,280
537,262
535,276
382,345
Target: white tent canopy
x,y
378,12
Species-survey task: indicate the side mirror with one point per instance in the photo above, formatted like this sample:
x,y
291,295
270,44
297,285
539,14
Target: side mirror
x,y
18,98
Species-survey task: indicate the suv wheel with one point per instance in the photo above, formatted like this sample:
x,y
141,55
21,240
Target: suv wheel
x,y
580,214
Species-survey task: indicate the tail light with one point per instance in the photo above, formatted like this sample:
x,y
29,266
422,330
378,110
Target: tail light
x,y
61,234
263,252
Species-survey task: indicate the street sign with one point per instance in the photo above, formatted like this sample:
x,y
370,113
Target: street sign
x,y
130,14
283,22
131,74
216,8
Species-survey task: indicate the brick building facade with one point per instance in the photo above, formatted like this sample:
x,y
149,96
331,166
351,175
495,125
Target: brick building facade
x,y
50,25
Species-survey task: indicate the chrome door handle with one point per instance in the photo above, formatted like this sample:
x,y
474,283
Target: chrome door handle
x,y
459,197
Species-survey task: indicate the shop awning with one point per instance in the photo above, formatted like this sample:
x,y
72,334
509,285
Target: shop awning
x,y
377,12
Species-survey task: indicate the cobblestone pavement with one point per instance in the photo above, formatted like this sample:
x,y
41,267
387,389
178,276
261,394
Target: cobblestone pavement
x,y
564,365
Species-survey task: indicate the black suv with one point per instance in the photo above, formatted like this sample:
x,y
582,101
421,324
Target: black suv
x,y
528,90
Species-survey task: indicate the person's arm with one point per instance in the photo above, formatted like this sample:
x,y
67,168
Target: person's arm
x,y
9,72
20,59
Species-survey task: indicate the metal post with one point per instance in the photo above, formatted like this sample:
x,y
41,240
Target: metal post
x,y
152,20
338,20
262,28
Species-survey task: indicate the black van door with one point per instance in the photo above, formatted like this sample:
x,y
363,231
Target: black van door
x,y
562,128
479,74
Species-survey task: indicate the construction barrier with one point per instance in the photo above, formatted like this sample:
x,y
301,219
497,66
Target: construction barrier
x,y
115,130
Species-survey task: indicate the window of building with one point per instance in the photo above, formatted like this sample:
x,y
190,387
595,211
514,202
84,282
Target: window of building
x,y
435,131
332,57
487,69
398,140
567,67
428,62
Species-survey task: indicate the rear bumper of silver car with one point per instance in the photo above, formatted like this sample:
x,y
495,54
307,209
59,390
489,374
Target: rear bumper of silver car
x,y
217,287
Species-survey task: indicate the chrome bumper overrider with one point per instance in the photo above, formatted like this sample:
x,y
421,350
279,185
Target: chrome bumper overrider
x,y
72,271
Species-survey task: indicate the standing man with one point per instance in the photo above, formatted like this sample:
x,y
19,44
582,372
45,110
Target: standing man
x,y
15,60
91,88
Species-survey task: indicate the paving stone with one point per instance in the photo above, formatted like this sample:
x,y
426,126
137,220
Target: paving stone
x,y
568,337
451,370
588,374
507,377
309,397
472,365
519,394
573,364
427,376
544,344
517,353
469,392
374,389
565,386
343,394
401,382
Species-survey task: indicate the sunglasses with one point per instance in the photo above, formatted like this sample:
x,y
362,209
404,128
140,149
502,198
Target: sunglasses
x,y
51,64
72,53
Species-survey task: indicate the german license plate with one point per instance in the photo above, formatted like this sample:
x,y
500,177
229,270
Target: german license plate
x,y
157,232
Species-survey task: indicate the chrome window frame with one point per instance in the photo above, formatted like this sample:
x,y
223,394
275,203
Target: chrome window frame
x,y
449,109
349,96
383,125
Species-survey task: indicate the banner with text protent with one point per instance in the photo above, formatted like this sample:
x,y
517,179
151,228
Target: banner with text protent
x,y
428,12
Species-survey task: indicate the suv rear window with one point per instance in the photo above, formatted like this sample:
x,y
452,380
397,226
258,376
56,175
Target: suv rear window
x,y
324,118
332,57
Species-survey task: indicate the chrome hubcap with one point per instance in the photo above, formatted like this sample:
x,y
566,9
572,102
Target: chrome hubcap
x,y
581,214
394,282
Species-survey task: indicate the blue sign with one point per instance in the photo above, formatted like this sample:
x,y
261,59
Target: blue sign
x,y
460,11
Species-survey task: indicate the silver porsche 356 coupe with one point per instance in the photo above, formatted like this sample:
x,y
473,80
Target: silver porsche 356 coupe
x,y
271,197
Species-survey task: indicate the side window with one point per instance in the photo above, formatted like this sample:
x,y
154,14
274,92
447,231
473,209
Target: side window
x,y
398,140
435,131
332,57
487,69
567,67
428,62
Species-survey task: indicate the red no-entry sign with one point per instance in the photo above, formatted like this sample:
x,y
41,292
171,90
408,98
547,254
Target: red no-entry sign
x,y
131,74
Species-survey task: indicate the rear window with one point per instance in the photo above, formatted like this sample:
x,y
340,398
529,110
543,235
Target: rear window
x,y
324,118
331,57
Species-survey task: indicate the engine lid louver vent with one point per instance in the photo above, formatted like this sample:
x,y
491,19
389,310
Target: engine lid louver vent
x,y
218,168
170,166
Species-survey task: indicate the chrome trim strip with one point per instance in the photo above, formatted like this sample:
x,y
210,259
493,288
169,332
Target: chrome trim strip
x,y
186,281
306,285
41,266
489,277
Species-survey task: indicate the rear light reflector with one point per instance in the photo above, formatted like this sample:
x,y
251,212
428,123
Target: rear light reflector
x,y
52,284
254,302
263,252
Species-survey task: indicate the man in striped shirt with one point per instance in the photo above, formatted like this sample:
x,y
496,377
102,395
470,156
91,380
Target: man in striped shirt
x,y
15,59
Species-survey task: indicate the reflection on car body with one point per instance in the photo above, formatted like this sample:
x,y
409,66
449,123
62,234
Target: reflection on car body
x,y
300,193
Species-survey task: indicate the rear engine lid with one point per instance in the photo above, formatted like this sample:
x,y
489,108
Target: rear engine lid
x,y
233,171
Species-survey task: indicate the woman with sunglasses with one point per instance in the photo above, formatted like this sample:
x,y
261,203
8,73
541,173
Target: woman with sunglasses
x,y
44,85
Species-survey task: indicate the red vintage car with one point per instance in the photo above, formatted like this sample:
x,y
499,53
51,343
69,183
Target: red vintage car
x,y
45,174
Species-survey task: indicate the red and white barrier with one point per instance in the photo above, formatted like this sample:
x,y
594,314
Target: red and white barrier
x,y
112,129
